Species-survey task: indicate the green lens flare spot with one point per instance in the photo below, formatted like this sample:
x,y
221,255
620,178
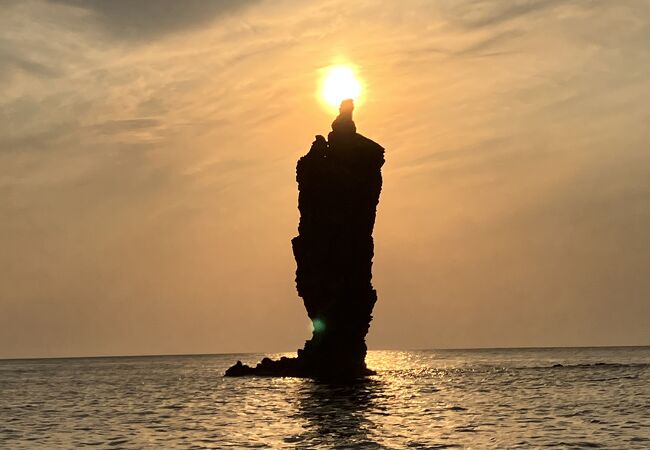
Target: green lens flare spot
x,y
318,326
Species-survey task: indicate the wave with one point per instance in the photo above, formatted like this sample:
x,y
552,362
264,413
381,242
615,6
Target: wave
x,y
602,365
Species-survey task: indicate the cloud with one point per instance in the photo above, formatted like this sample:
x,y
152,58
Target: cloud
x,y
486,46
493,12
117,126
149,19
12,60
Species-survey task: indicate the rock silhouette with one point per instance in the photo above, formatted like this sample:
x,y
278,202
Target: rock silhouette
x,y
339,182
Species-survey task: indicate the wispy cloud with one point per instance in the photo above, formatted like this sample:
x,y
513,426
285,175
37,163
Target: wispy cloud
x,y
14,61
151,19
486,13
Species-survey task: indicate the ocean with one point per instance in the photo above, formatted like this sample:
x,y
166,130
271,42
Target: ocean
x,y
434,399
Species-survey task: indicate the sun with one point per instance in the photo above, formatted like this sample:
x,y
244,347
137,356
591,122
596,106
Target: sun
x,y
339,83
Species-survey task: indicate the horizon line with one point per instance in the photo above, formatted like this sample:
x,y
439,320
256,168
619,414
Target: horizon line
x,y
158,355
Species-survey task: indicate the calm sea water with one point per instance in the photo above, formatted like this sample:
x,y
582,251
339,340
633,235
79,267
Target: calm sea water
x,y
518,398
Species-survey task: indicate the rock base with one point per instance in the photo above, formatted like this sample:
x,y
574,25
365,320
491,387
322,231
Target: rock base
x,y
293,367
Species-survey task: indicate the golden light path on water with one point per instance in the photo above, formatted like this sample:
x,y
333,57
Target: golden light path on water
x,y
485,398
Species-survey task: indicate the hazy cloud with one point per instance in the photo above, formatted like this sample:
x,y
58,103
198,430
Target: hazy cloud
x,y
11,60
148,19
116,126
487,45
484,13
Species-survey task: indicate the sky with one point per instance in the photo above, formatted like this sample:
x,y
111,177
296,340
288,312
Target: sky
x,y
147,171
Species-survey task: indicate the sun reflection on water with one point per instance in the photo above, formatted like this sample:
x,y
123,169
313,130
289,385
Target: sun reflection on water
x,y
418,399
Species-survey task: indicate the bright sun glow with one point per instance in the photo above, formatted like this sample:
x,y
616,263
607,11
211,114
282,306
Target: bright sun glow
x,y
339,83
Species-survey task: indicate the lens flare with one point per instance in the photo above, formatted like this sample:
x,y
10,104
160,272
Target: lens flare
x,y
340,83
318,326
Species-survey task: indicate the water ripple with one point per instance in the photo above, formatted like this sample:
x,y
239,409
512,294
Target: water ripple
x,y
536,398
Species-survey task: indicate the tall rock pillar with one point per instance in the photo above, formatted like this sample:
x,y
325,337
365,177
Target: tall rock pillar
x,y
339,182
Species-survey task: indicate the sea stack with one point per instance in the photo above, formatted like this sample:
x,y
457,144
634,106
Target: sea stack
x,y
339,182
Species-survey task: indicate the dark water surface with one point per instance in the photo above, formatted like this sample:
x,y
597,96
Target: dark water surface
x,y
514,398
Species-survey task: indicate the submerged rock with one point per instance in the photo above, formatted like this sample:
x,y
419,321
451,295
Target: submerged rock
x,y
339,182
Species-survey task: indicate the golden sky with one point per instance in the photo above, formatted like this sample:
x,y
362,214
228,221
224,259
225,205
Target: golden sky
x,y
147,171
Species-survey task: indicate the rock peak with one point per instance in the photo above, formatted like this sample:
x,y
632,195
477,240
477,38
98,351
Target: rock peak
x,y
343,124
